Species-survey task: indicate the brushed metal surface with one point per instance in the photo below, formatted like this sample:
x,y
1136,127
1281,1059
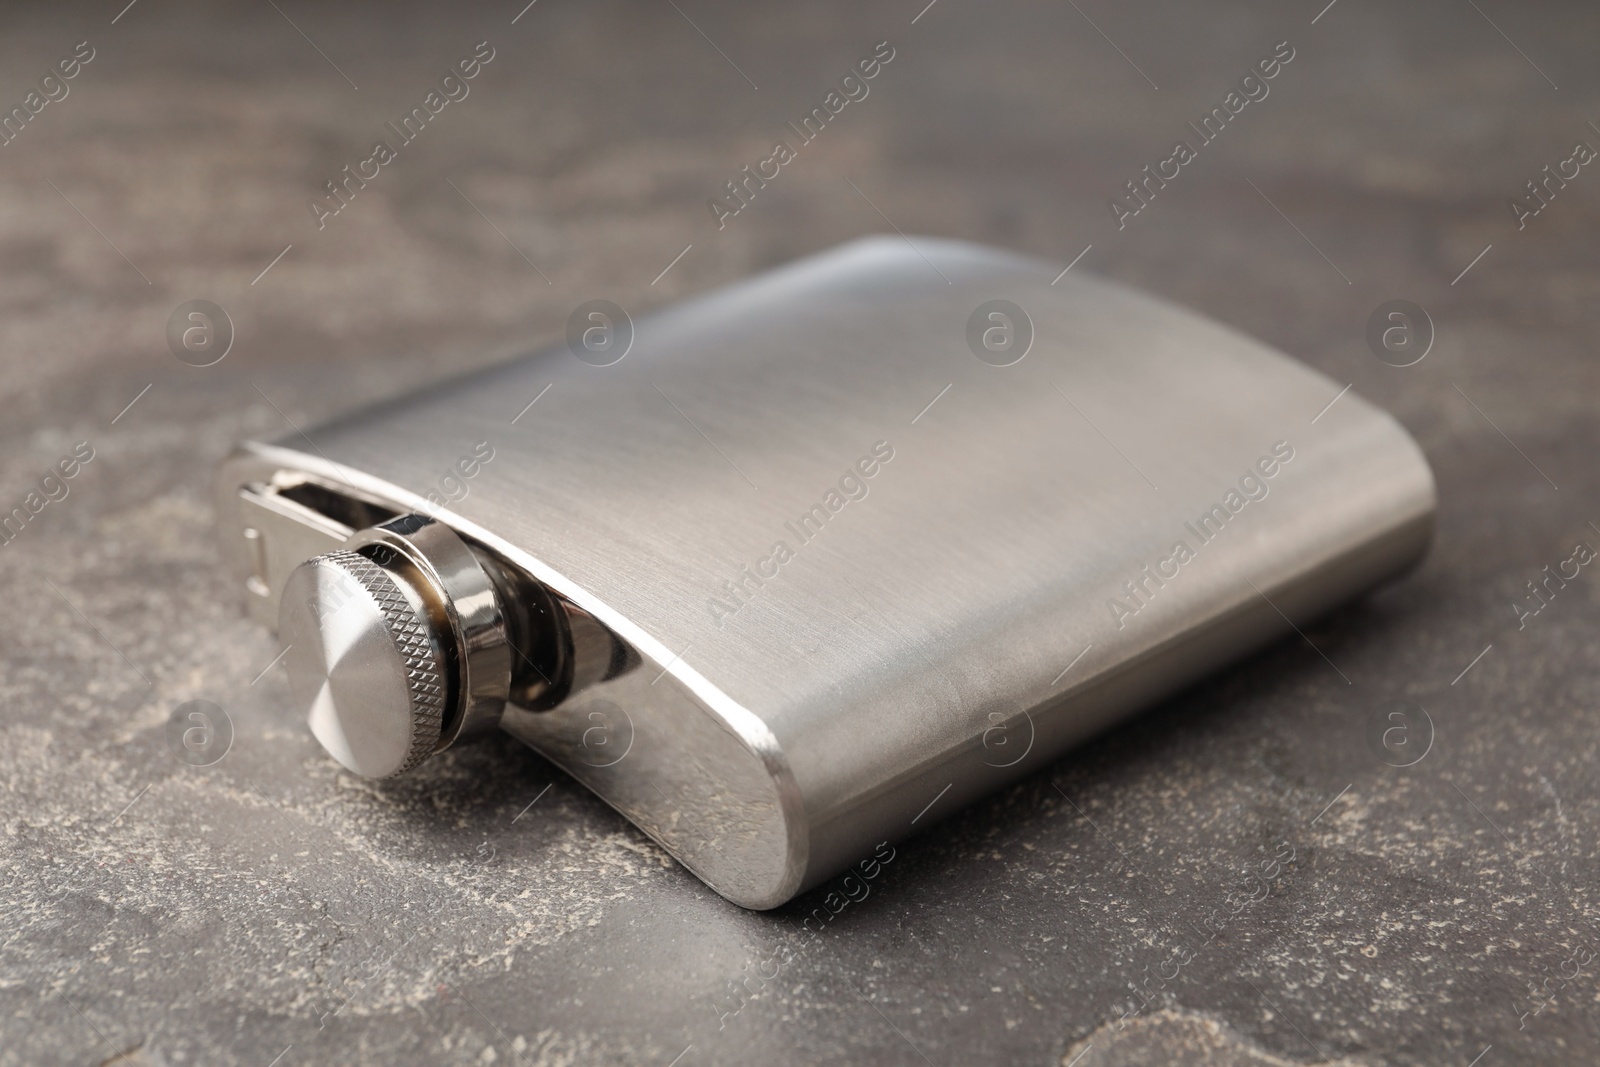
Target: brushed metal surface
x,y
951,629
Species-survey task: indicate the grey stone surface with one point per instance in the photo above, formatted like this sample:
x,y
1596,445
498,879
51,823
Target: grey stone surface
x,y
1240,856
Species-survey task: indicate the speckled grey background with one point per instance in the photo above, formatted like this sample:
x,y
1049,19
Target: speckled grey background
x,y
271,910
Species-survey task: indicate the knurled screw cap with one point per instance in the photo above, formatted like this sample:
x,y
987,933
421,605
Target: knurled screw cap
x,y
364,661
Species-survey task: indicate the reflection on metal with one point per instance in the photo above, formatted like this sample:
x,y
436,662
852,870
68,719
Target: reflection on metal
x,y
884,636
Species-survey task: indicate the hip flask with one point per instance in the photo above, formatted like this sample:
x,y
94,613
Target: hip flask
x,y
807,564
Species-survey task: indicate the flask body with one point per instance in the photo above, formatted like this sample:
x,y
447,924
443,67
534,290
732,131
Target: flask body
x,y
866,562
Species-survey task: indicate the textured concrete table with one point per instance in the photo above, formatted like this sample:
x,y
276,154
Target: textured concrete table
x,y
1242,876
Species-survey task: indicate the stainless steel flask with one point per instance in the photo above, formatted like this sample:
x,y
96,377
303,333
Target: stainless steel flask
x,y
811,562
